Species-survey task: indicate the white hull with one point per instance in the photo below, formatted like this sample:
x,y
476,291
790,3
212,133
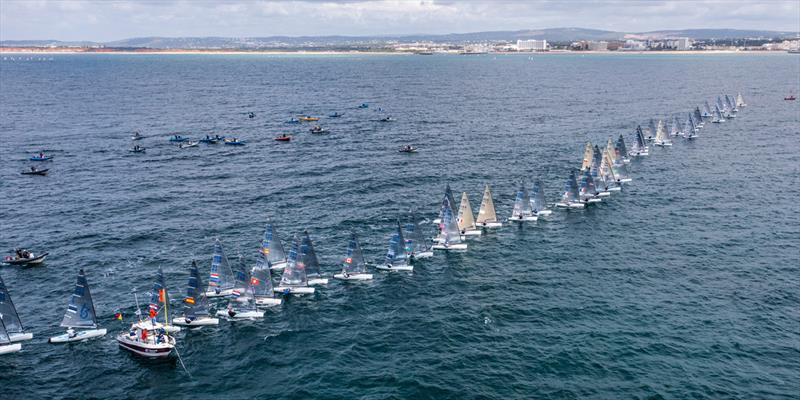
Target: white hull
x,y
614,189
452,247
531,218
222,293
249,314
604,194
436,221
278,266
490,225
387,267
353,277
293,290
10,348
79,335
626,180
202,321
594,200
19,336
148,350
663,144
571,205
148,324
268,301
475,232
317,281
543,213
423,254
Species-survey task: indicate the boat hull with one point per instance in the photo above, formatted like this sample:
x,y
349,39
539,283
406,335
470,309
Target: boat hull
x,y
399,268
531,218
353,277
10,348
278,266
543,213
79,335
293,290
147,350
452,247
423,254
249,314
203,321
473,232
26,261
490,225
19,336
268,301
317,281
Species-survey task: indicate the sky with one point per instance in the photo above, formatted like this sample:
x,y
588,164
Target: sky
x,y
108,20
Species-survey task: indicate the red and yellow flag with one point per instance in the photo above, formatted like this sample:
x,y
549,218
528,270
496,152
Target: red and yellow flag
x,y
162,295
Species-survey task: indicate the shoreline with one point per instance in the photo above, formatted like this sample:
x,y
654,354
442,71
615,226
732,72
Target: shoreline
x,y
47,51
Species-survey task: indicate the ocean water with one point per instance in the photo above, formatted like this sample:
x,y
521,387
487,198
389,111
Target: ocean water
x,y
686,285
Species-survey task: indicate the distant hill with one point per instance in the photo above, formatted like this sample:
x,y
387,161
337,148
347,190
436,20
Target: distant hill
x,y
549,34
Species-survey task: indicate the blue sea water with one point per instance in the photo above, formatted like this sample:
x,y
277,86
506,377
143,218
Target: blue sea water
x,y
686,285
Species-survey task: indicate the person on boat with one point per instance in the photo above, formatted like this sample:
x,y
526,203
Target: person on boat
x,y
231,311
41,155
33,169
144,335
71,332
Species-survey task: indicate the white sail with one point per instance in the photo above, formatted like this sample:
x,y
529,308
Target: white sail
x,y
466,221
487,214
588,153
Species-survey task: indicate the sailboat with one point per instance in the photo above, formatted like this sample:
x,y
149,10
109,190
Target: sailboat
x,y
149,338
466,220
449,236
661,138
621,150
416,245
195,304
448,199
221,280
608,175
717,118
651,130
354,268
80,314
698,118
691,131
587,192
639,147
538,204
261,283
588,153
272,248
570,197
396,256
522,211
487,217
8,313
6,347
740,101
242,305
731,104
601,186
619,169
311,262
294,279
706,110
674,128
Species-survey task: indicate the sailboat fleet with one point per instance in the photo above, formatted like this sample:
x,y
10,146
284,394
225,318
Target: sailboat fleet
x,y
243,294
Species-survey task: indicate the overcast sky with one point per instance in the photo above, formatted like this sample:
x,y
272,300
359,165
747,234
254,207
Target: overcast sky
x,y
119,19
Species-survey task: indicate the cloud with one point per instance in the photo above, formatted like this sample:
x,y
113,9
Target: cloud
x,y
119,19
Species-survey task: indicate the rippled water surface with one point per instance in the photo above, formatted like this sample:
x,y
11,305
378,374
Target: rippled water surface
x,y
684,286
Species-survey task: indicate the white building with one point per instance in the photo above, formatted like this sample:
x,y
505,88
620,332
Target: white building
x,y
598,46
531,45
680,44
634,45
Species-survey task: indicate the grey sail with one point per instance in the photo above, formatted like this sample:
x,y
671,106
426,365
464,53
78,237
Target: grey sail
x,y
221,275
295,272
80,311
449,228
396,255
354,259
261,277
415,239
309,256
447,200
4,339
537,197
8,313
623,150
195,304
271,245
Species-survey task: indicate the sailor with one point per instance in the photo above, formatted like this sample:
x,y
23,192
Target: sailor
x,y
71,333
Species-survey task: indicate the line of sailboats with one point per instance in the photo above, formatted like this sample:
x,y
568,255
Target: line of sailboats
x,y
244,293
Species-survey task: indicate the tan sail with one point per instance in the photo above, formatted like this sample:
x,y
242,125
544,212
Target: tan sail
x,y
588,154
610,150
486,213
466,221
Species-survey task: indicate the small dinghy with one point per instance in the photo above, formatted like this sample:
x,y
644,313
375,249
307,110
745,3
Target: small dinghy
x,y
363,105
24,257
80,315
691,131
41,157
195,304
251,115
416,245
601,185
652,128
261,283
234,142
294,280
242,305
706,111
448,200
272,248
449,238
740,101
674,127
487,217
212,139
137,136
408,149
608,175
354,268
335,115
698,117
466,220
178,139
639,147
661,138
570,197
6,347
308,118
283,138
621,150
718,117
587,193
522,211
221,280
618,169
387,119
318,130
36,171
8,314
137,149
191,143
396,256
538,204
292,121
309,259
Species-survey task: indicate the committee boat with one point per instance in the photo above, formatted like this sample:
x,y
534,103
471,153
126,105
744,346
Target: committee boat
x,y
80,318
396,255
148,337
487,216
8,314
195,304
354,267
294,279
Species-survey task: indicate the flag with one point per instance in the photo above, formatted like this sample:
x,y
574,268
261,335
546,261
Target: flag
x,y
348,260
189,300
254,281
265,250
162,294
152,313
118,316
